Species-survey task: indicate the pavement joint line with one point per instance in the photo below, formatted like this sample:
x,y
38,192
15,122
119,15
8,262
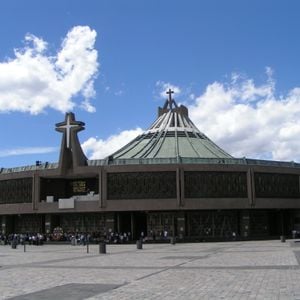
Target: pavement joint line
x,y
45,264
32,264
176,267
85,256
41,266
215,251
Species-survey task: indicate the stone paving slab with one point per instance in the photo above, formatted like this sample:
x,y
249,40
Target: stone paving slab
x,y
231,270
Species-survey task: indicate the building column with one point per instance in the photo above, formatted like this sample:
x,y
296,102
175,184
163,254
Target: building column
x,y
103,188
182,197
251,187
178,188
100,182
35,191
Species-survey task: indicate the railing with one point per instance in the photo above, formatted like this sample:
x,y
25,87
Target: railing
x,y
156,161
44,166
188,160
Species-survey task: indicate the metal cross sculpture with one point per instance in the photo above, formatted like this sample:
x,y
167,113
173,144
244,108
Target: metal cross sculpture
x,y
170,100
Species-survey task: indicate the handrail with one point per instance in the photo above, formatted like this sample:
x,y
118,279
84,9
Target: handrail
x,y
155,161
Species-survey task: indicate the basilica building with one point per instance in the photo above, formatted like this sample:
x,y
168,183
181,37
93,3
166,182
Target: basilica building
x,y
172,178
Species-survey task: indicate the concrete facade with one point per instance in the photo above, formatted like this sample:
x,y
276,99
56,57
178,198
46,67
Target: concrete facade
x,y
191,197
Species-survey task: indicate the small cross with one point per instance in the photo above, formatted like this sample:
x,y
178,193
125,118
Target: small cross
x,y
170,92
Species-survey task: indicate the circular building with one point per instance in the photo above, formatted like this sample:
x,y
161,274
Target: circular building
x,y
172,180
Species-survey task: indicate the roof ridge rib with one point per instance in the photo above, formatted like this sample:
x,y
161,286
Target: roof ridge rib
x,y
159,136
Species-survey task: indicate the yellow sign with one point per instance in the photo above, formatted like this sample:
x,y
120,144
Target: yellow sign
x,y
79,186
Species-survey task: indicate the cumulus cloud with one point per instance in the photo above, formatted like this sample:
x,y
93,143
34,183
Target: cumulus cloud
x,y
34,80
241,116
248,119
99,148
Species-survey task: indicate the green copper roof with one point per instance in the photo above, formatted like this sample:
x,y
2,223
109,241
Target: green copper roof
x,y
172,135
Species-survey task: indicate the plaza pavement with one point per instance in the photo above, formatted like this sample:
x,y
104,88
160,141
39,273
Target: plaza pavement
x,y
231,270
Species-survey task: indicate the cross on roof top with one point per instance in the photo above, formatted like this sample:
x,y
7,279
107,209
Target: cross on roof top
x,y
170,92
170,100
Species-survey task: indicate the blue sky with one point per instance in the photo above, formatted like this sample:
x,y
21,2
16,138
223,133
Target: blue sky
x,y
235,65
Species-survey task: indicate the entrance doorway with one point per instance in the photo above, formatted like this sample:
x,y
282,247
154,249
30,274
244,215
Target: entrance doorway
x,y
140,224
133,222
124,222
55,221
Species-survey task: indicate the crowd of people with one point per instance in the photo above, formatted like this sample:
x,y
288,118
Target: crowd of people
x,y
78,238
29,238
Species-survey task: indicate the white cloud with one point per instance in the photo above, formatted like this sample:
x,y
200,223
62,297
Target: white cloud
x,y
27,151
97,149
33,81
247,119
241,116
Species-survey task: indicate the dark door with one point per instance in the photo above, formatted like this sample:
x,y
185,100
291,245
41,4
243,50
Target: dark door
x,y
140,224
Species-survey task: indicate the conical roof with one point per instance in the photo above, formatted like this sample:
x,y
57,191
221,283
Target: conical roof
x,y
172,135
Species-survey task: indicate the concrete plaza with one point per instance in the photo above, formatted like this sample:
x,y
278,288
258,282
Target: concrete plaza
x,y
231,270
